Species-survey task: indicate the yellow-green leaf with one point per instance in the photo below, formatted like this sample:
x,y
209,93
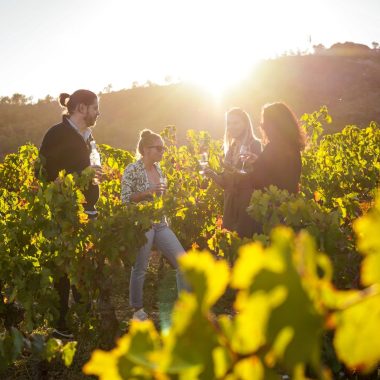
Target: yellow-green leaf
x,y
357,336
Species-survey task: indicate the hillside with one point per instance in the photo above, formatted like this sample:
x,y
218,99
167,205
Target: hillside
x,y
348,85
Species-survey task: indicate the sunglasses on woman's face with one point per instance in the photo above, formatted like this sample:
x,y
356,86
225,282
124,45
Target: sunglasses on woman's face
x,y
159,148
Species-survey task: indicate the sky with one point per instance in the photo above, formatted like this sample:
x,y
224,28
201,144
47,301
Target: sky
x,y
51,46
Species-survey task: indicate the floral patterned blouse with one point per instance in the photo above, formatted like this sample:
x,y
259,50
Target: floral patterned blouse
x,y
136,180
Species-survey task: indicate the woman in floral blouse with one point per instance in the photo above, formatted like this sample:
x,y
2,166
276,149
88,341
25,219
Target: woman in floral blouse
x,y
140,181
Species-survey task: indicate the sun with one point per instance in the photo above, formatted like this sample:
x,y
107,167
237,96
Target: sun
x,y
216,68
212,44
227,42
216,79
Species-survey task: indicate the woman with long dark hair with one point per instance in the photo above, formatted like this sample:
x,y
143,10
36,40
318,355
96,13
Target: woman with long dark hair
x,y
280,162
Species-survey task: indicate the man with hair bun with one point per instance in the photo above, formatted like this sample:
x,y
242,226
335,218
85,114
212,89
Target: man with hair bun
x,y
66,146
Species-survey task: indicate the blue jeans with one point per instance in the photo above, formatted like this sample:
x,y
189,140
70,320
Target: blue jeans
x,y
167,243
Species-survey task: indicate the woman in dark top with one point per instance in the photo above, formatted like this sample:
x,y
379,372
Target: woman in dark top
x,y
238,135
280,162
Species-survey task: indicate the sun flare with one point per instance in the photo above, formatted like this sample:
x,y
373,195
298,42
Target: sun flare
x,y
207,42
218,78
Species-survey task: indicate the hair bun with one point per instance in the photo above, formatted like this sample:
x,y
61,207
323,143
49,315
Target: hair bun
x,y
63,99
145,133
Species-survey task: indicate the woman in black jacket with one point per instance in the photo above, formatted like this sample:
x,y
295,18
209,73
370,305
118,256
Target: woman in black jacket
x,y
280,162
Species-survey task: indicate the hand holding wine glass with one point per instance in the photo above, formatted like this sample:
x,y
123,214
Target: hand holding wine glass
x,y
163,185
157,188
203,162
244,156
95,163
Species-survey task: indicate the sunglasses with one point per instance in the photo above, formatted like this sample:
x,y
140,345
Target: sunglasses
x,y
160,148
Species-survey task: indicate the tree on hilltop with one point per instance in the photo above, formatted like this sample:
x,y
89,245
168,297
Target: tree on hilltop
x,y
349,48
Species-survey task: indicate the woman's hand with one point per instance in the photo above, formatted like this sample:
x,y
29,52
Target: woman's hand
x,y
228,167
157,188
207,172
154,188
99,174
252,158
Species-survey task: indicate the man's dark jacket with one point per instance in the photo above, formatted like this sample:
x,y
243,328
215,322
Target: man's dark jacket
x,y
63,148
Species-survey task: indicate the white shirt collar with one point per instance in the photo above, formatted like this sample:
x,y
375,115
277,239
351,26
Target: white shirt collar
x,y
85,134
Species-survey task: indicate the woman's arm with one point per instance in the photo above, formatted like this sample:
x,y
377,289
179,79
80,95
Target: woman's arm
x,y
140,196
128,187
128,193
217,178
156,188
277,166
225,180
257,176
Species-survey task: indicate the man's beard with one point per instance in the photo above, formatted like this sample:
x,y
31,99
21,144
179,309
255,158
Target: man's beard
x,y
90,121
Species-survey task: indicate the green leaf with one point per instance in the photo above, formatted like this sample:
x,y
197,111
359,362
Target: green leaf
x,y
249,369
367,229
357,336
53,346
207,276
251,261
105,364
291,302
68,352
18,342
144,341
222,361
247,331
190,328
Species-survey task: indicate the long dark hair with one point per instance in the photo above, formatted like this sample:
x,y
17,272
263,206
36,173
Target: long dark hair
x,y
279,123
70,102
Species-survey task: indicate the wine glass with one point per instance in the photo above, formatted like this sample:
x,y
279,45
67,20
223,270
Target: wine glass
x,y
202,144
164,184
244,154
203,162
